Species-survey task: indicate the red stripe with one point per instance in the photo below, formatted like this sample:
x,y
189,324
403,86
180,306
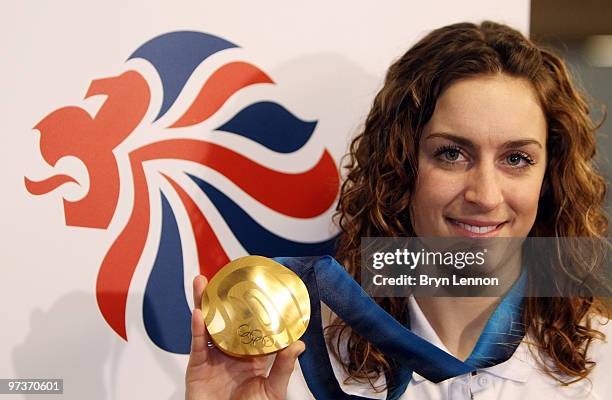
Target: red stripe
x,y
302,195
221,85
120,261
210,252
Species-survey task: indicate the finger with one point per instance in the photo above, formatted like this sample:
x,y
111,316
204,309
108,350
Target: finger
x,y
199,338
199,283
282,368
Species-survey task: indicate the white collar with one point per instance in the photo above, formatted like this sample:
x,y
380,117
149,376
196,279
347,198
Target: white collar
x,y
517,368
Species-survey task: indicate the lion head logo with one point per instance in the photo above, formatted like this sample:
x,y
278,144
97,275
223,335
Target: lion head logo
x,y
161,120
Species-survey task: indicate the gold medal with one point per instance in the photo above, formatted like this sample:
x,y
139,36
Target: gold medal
x,y
255,306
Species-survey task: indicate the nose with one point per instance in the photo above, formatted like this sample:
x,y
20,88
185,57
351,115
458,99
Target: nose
x,y
484,187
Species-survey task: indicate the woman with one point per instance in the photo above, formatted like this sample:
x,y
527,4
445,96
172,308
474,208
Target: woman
x,y
476,132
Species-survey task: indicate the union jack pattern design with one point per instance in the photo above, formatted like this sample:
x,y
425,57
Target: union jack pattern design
x,y
166,125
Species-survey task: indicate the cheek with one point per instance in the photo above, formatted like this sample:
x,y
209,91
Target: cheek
x,y
438,185
523,199
435,190
523,196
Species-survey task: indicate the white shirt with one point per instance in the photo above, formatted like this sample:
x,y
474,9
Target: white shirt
x,y
520,377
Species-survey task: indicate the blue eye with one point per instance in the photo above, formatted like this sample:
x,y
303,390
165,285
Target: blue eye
x,y
448,153
514,159
451,155
519,160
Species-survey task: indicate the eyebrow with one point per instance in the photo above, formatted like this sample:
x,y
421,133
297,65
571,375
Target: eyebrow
x,y
510,144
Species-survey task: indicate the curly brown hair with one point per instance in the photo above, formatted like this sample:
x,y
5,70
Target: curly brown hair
x,y
382,170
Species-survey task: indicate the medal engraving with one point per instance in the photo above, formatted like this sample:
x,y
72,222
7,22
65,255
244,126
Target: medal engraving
x,y
255,306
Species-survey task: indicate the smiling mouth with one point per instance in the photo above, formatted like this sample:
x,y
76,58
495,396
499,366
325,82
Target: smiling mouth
x,y
476,228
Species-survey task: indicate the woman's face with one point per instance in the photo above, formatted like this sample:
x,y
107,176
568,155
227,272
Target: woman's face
x,y
482,159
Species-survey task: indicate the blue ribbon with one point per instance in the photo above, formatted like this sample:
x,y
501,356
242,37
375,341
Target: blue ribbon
x,y
328,281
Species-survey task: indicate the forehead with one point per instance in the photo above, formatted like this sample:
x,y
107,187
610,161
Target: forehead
x,y
489,109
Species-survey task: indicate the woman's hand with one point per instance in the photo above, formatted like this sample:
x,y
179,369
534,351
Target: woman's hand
x,y
211,374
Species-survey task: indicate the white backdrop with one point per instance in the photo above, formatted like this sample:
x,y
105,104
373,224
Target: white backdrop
x,y
327,60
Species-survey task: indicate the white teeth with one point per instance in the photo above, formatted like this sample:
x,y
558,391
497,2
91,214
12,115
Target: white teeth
x,y
476,229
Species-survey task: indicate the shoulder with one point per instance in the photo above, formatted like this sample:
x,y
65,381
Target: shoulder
x,y
522,376
600,352
597,385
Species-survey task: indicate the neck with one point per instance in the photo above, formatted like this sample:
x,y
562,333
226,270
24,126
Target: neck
x,y
458,321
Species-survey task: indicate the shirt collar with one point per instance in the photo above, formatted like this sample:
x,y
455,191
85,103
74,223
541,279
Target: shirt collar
x,y
517,368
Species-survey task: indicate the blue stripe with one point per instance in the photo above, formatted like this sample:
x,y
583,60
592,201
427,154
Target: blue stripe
x,y
270,125
175,56
166,313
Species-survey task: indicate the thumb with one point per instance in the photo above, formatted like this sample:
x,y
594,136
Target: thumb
x,y
284,363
